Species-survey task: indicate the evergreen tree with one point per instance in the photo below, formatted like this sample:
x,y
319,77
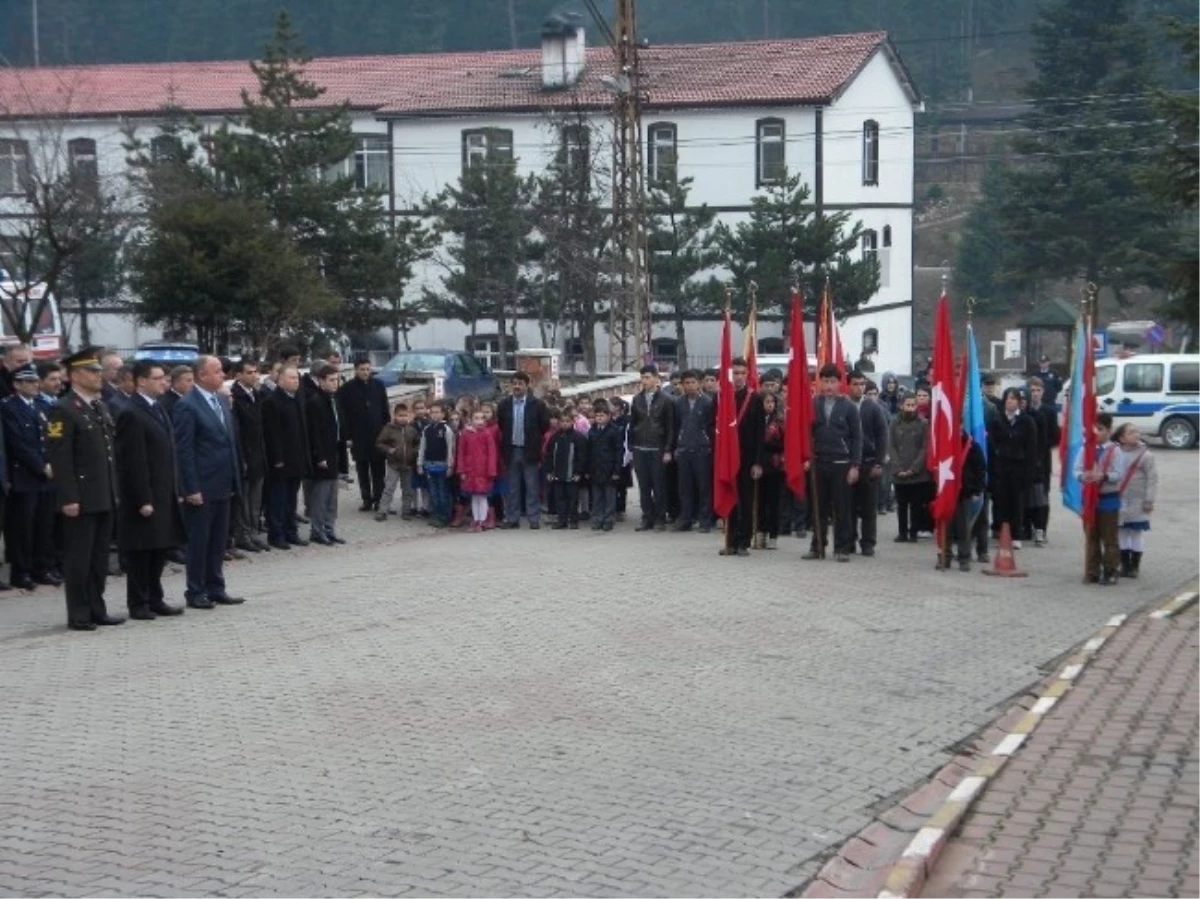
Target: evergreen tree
x,y
786,243
681,241
1174,178
1074,206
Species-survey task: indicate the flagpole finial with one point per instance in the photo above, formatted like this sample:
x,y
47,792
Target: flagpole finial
x,y
728,298
970,309
753,288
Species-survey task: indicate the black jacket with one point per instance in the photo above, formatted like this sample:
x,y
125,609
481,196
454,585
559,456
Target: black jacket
x,y
874,423
147,475
606,453
695,425
566,456
25,445
325,436
285,435
751,421
1014,447
537,423
838,438
364,408
653,426
974,472
80,438
248,410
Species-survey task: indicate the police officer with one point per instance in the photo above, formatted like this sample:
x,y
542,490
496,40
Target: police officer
x,y
29,512
79,434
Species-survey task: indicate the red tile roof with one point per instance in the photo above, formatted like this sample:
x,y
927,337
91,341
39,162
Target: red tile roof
x,y
800,71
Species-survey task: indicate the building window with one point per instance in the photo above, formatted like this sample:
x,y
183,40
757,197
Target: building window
x,y
166,148
870,243
771,346
661,153
871,153
372,163
870,341
934,143
771,161
82,155
885,257
486,348
576,145
485,145
665,349
14,167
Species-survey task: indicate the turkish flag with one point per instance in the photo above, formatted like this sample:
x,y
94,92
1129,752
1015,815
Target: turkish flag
x,y
728,456
944,441
797,425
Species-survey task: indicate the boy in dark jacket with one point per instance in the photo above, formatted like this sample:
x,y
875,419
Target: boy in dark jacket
x,y
566,462
399,442
606,452
971,497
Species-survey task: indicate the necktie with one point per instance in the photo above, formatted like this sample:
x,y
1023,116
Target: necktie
x,y
216,407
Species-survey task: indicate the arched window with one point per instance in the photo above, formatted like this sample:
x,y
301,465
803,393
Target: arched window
x,y
870,153
771,151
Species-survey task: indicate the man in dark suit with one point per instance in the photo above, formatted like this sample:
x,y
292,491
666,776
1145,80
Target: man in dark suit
x,y
29,511
364,406
524,421
285,438
149,520
206,445
183,378
247,409
79,434
652,439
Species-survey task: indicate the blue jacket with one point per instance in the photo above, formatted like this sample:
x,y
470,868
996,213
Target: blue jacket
x,y
207,447
24,446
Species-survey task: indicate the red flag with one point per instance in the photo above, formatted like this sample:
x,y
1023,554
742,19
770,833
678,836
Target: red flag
x,y
797,435
750,347
944,442
829,341
728,456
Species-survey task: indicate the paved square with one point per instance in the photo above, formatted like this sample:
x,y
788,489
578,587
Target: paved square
x,y
519,713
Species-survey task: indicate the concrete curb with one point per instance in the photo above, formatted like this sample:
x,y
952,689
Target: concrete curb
x,y
894,855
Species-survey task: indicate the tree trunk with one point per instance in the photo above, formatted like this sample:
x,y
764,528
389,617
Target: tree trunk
x,y
85,327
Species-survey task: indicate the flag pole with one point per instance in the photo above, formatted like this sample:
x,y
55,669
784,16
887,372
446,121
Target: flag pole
x,y
1087,303
757,540
943,556
727,525
813,492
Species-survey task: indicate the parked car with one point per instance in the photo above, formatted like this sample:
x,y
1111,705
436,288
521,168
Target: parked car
x,y
168,352
451,374
1160,393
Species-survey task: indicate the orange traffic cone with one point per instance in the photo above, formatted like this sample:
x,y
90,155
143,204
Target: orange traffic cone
x,y
1006,563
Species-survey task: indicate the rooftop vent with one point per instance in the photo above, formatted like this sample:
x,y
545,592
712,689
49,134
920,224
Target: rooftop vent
x,y
563,51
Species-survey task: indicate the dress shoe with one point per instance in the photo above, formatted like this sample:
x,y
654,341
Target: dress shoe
x,y
201,603
247,546
81,626
48,580
235,555
108,620
115,570
297,541
262,544
336,539
280,544
23,583
509,525
534,526
320,540
176,557
558,526
4,587
841,557
227,600
644,526
301,519
867,550
366,507
162,609
141,614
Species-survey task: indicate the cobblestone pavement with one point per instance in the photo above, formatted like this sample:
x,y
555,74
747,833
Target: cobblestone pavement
x,y
520,713
1102,798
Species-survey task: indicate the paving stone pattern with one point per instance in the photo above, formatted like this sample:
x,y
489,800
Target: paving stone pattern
x,y
518,713
1102,798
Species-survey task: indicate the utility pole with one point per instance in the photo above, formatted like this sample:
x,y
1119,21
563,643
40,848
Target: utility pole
x,y
629,314
37,43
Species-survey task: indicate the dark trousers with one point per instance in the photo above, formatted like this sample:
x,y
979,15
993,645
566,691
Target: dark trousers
x,y
29,533
671,483
523,483
651,475
743,514
770,495
604,503
1102,545
143,577
864,500
207,528
980,530
440,501
695,488
833,498
85,567
370,477
281,509
1008,494
566,501
248,512
909,499
962,528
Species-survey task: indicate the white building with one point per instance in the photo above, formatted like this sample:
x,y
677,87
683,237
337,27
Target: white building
x,y
839,110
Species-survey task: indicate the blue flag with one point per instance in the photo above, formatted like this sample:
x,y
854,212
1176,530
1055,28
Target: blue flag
x,y
973,421
1072,488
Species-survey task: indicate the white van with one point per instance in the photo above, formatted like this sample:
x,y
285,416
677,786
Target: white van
x,y
1158,393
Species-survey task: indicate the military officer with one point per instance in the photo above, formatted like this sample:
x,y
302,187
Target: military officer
x,y
80,436
29,512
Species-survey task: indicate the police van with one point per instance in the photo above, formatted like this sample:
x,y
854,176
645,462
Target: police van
x,y
1158,393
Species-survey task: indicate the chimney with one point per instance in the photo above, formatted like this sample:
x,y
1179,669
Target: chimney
x,y
562,51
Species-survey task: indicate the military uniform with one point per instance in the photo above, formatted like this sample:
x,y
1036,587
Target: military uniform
x,y
80,436
29,512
